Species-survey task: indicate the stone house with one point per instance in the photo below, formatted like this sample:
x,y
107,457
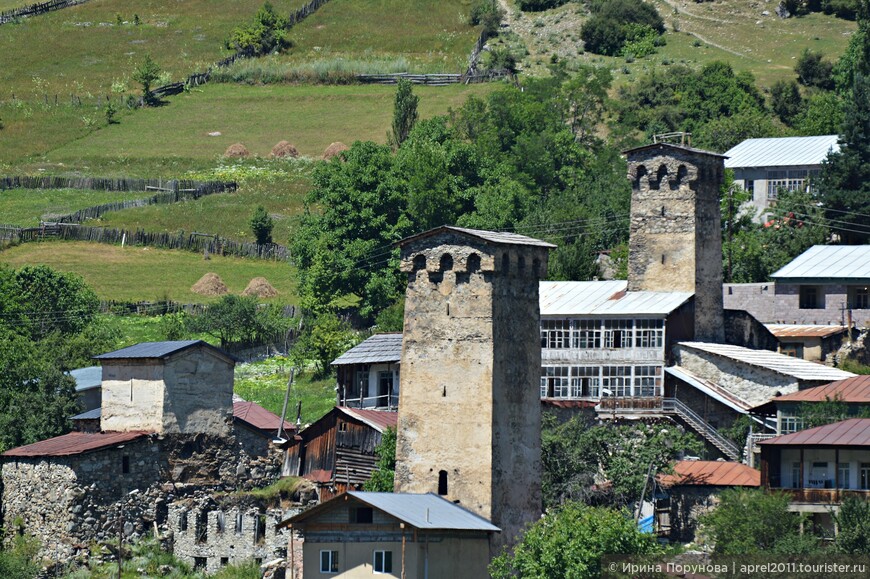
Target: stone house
x,y
166,430
413,536
763,167
825,285
368,373
813,343
692,490
819,467
337,452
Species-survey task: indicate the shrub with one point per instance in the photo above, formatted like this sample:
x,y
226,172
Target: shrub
x,y
262,36
487,13
812,70
261,225
538,5
615,23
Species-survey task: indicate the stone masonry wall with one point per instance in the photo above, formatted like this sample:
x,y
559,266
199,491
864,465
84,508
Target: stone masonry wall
x,y
779,303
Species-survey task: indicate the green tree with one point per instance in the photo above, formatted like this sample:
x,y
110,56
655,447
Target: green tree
x,y
265,34
240,320
813,70
853,524
145,74
323,341
261,225
752,521
570,541
384,475
404,113
823,114
786,100
615,22
391,318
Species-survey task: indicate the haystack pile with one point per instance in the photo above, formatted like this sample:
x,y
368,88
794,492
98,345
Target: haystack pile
x,y
236,151
334,150
261,288
210,285
284,150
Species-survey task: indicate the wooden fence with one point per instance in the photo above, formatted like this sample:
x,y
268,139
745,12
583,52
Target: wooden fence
x,y
36,9
115,184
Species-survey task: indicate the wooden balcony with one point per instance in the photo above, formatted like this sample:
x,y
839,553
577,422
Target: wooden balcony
x,y
823,496
638,404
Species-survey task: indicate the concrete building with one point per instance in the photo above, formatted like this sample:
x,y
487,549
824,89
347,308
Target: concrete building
x,y
414,536
813,343
819,467
763,167
469,422
368,373
825,285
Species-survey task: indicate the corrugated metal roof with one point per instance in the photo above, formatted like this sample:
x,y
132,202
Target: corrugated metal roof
x,y
852,432
258,417
712,473
425,511
781,152
380,420
830,262
75,443
855,389
158,350
798,331
380,348
499,237
710,389
779,363
89,415
87,378
605,298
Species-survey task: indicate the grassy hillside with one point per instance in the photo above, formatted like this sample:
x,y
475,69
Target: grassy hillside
x,y
141,273
730,30
26,207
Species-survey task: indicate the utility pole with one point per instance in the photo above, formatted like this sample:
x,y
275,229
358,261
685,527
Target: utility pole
x,y
730,223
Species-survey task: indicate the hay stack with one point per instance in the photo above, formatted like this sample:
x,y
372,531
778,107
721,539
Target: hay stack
x,y
283,150
237,151
261,288
209,285
334,150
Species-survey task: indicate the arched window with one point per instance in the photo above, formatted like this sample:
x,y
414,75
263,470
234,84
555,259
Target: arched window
x,y
419,262
506,263
536,267
521,264
682,173
641,173
473,263
446,262
661,176
442,482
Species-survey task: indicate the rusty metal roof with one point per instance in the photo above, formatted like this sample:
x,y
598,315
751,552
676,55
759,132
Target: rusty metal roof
x,y
380,348
852,432
75,443
258,417
159,350
499,237
779,363
712,473
798,331
855,389
380,420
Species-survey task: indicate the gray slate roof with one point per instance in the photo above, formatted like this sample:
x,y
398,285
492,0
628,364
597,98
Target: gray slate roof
x,y
781,152
828,262
157,350
87,378
500,237
779,363
380,348
89,415
605,298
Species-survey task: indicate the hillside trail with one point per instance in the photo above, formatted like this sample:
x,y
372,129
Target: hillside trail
x,y
720,21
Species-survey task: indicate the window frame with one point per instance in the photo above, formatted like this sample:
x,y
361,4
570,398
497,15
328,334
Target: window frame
x,y
331,562
386,562
805,292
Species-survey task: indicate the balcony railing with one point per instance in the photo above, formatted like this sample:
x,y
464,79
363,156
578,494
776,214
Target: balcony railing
x,y
808,495
630,404
387,401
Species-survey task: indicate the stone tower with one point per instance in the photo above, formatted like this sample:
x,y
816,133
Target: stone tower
x,y
469,408
676,238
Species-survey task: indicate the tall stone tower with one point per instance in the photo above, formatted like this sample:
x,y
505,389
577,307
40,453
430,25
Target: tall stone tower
x,y
676,237
469,408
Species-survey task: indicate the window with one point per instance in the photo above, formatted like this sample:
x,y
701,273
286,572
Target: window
x,y
810,298
649,333
225,561
647,380
617,333
795,180
843,474
585,382
199,563
221,522
182,521
864,476
555,334
795,475
259,529
587,334
329,561
789,424
442,482
859,298
555,382
385,387
239,519
362,515
360,383
793,349
616,380
383,562
125,465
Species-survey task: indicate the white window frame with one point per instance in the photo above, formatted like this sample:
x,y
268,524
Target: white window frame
x,y
864,476
790,424
383,562
622,329
844,470
647,381
587,334
649,333
617,379
557,379
556,334
331,566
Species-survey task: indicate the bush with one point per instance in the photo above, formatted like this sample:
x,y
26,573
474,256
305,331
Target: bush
x,y
261,225
538,5
812,70
487,13
615,23
264,35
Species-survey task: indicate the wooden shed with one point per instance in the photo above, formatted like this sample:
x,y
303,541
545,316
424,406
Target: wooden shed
x,y
337,452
